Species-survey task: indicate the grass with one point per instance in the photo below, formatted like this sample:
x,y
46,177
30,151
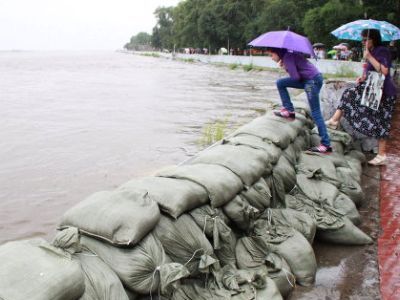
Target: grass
x,y
188,60
233,66
214,132
152,54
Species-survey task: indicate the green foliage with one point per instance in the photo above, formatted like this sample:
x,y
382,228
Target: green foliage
x,y
233,66
142,39
214,24
214,132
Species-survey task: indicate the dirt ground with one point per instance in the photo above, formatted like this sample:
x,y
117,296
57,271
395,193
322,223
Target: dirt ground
x,y
349,272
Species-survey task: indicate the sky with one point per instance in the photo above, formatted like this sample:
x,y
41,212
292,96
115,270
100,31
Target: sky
x,y
74,24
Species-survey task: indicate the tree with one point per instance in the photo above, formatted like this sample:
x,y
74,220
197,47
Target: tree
x,y
163,35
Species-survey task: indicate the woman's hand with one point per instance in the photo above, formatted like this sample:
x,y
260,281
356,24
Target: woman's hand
x,y
361,79
367,54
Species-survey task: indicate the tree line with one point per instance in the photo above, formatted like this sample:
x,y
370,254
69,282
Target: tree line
x,y
214,24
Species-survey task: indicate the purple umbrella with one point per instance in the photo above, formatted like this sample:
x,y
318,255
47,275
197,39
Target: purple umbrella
x,y
284,39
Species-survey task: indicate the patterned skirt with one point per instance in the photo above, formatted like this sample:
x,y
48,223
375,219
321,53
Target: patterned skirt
x,y
372,123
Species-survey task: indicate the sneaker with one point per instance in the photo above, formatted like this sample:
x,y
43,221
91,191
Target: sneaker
x,y
321,149
284,113
378,160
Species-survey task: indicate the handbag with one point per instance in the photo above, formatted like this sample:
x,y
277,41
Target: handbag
x,y
373,90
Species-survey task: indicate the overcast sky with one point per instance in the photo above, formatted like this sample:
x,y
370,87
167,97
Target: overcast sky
x,y
74,24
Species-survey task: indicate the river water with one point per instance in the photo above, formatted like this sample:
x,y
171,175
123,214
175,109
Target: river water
x,y
74,123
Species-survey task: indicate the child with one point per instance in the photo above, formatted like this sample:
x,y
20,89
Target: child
x,y
302,75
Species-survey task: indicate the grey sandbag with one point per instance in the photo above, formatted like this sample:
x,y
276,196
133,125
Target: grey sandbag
x,y
213,225
36,270
350,186
279,132
311,161
300,221
174,196
247,163
346,206
258,195
143,269
357,155
270,150
355,165
281,181
332,226
221,184
101,283
255,254
349,234
315,188
291,153
293,247
186,244
119,217
241,213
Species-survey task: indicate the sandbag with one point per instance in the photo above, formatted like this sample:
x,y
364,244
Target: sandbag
x,y
258,195
355,166
101,283
143,269
186,244
349,185
293,247
119,217
311,161
254,254
349,234
247,163
174,196
35,270
270,150
281,181
300,221
277,131
221,184
346,206
291,153
212,221
316,189
241,213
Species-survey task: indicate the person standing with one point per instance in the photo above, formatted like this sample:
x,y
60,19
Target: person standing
x,y
372,123
302,75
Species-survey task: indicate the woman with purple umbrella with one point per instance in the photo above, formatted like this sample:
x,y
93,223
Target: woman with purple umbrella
x,y
302,75
370,122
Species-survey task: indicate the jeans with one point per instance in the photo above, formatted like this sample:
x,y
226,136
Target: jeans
x,y
312,88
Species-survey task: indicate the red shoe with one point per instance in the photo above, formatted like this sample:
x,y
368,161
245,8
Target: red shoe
x,y
284,113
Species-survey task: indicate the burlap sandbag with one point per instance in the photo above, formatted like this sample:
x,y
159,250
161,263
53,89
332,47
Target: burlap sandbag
x,y
212,222
241,213
247,163
185,243
349,185
293,247
315,188
312,161
36,270
258,195
281,181
300,221
270,150
118,217
349,234
332,226
174,196
255,254
221,184
346,206
101,283
278,131
143,269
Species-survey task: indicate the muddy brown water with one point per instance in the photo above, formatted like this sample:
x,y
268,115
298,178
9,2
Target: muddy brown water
x,y
74,123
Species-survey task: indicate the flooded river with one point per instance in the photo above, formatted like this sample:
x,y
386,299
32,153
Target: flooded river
x,y
74,123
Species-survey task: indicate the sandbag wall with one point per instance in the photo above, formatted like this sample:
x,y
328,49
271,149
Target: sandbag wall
x,y
236,221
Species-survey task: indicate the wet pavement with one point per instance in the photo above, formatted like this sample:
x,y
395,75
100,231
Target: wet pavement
x,y
389,238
